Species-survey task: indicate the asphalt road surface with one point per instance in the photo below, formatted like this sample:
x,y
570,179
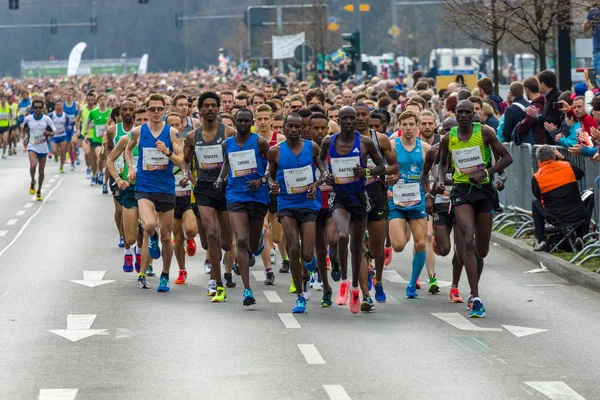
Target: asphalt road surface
x,y
89,340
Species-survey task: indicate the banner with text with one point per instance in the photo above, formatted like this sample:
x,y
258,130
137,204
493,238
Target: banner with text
x,y
284,46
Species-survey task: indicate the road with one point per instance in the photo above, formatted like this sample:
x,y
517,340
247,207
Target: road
x,y
114,341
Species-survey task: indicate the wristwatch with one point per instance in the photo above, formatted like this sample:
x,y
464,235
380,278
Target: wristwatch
x,y
367,172
263,180
170,153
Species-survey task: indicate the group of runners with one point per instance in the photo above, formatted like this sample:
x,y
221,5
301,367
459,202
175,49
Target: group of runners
x,y
316,174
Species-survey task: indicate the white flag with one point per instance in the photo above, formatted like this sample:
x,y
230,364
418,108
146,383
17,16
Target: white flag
x,y
75,58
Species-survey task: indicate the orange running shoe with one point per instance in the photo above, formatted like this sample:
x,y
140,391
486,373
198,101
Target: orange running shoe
x,y
418,285
388,256
354,304
182,277
342,297
455,296
190,247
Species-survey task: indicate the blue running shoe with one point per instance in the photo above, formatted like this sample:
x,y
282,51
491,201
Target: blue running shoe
x,y
100,179
312,265
128,263
163,284
300,306
326,299
77,162
121,242
478,310
261,245
104,188
379,293
370,278
411,292
248,298
153,247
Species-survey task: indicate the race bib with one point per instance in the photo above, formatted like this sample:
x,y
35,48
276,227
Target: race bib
x,y
134,163
343,169
120,164
182,191
468,160
297,180
100,130
242,163
209,157
371,179
38,137
407,194
4,116
154,160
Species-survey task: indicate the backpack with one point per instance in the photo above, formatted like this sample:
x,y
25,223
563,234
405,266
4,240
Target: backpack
x,y
528,137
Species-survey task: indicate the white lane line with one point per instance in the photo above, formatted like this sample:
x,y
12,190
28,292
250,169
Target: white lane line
x,y
311,354
28,205
11,222
272,296
20,213
3,233
31,218
259,275
57,394
460,322
5,293
289,321
557,390
336,392
46,186
52,180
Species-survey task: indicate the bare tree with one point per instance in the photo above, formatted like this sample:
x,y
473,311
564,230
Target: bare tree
x,y
483,21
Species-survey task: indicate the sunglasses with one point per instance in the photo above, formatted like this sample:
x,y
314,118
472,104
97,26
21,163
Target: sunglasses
x,y
37,108
156,109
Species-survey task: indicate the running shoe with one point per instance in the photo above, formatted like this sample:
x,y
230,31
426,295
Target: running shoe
x,y
328,261
342,297
371,274
315,282
388,256
418,285
104,188
4,156
211,288
336,272
61,170
56,158
72,168
150,271
138,262
300,306
38,196
163,284
379,293
229,281
32,188
88,173
261,245
207,267
100,179
236,269
367,304
470,302
121,242
128,263
248,298
220,296
433,285
251,259
153,248
273,256
478,310
411,292
270,279
182,277
190,247
455,296
77,162
354,304
142,284
292,286
285,267
306,288
326,299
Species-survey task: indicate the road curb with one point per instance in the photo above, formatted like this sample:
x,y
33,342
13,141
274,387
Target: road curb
x,y
572,273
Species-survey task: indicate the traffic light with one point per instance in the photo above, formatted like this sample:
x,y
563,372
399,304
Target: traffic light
x,y
53,27
13,4
352,49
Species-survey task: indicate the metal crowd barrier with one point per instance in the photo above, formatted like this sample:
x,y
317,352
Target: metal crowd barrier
x,y
517,197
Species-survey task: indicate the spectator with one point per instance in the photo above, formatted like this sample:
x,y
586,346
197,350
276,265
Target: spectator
x,y
515,112
532,90
557,199
548,88
486,91
587,121
451,104
488,116
567,136
592,21
433,71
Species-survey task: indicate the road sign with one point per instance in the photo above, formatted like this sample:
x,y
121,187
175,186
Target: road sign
x,y
303,53
361,7
394,31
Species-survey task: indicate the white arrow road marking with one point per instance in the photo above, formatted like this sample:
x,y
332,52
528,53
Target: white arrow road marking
x,y
123,333
57,394
311,354
557,390
92,279
78,327
336,392
460,322
289,321
393,276
272,296
520,331
259,275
